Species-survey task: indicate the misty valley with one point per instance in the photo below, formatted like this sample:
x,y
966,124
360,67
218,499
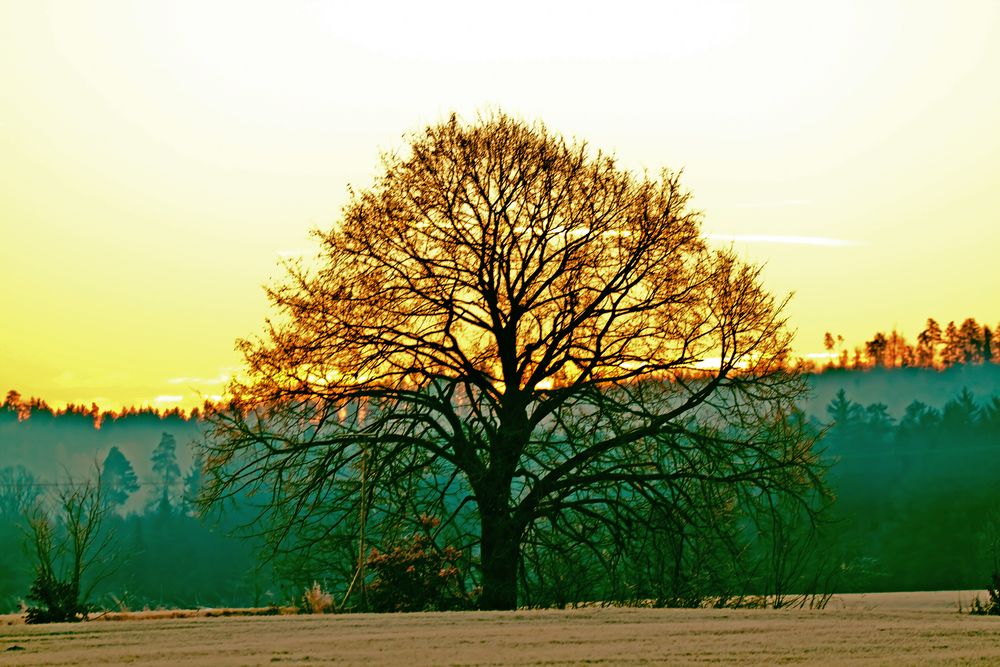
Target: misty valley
x,y
911,458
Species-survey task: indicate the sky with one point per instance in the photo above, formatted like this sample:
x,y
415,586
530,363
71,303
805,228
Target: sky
x,y
159,158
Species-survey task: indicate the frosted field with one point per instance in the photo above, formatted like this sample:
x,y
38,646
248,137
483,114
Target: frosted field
x,y
886,628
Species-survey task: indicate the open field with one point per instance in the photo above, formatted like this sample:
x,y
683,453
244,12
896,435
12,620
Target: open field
x,y
887,628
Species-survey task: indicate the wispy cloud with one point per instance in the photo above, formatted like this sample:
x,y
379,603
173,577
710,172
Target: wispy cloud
x,y
784,240
219,379
168,398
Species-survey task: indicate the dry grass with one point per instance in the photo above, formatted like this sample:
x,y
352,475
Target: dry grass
x,y
316,601
160,614
892,628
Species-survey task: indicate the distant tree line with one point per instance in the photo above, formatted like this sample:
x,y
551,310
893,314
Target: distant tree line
x,y
916,507
159,552
14,407
166,555
967,343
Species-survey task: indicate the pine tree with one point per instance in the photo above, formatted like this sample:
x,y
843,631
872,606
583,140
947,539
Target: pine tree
x,y
876,350
927,343
952,352
118,479
192,485
165,466
971,341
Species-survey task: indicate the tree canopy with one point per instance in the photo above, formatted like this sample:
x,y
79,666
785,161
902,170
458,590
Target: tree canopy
x,y
512,333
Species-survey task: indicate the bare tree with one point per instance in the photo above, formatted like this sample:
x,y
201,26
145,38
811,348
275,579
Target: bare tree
x,y
506,329
72,552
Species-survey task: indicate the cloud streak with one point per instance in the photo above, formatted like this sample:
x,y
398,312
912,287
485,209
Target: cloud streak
x,y
220,379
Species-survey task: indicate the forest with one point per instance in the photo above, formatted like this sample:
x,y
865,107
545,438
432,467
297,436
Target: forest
x,y
163,553
912,506
963,344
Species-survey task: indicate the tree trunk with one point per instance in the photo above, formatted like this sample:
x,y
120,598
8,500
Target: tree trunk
x,y
500,539
499,551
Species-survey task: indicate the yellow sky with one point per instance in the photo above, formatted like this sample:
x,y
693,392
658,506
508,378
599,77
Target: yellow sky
x,y
158,158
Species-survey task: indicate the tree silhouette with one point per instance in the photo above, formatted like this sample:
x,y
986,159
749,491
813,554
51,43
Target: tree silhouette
x,y
192,485
917,421
876,349
72,552
970,336
952,351
165,465
118,480
960,414
927,343
843,411
879,422
508,330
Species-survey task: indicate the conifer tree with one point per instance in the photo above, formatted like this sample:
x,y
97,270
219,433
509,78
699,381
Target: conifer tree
x,y
118,478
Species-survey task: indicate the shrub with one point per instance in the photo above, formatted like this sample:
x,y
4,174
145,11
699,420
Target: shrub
x,y
992,606
69,548
416,575
57,602
316,601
